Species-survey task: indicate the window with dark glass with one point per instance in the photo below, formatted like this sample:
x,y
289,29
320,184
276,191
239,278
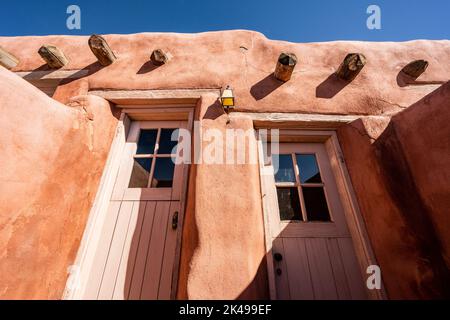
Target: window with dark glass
x,y
300,189
289,204
154,161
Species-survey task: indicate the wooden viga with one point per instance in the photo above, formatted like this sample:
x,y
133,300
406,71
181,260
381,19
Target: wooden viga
x,y
101,50
7,59
54,56
351,66
285,66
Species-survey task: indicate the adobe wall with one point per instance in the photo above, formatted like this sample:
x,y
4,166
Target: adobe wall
x,y
52,157
41,218
399,169
223,250
424,132
245,60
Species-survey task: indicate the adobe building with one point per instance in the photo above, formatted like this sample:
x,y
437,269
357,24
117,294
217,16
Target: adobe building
x,y
92,207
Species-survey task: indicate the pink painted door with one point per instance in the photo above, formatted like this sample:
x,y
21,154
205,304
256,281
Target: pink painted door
x,y
313,255
136,256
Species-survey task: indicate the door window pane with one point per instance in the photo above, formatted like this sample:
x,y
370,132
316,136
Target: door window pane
x,y
316,204
163,175
166,144
140,173
308,168
147,141
285,171
289,204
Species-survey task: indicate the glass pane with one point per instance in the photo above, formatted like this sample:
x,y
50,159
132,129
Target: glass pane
x,y
163,176
316,204
147,140
289,204
140,174
308,168
166,144
285,172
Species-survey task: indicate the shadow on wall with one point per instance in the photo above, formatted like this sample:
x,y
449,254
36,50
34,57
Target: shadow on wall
x,y
147,67
402,169
403,80
265,87
331,86
258,288
214,111
403,177
45,70
83,73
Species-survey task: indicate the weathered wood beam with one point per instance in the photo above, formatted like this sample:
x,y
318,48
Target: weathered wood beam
x,y
54,75
351,66
415,68
296,120
54,57
159,57
155,96
285,66
101,50
7,60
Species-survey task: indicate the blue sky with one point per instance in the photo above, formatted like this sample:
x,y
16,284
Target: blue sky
x,y
292,20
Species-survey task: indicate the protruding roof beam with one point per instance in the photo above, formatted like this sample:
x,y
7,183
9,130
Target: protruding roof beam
x,y
54,57
159,57
101,50
415,68
285,66
7,60
351,66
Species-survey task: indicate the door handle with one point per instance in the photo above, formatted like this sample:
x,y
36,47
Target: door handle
x,y
175,220
278,257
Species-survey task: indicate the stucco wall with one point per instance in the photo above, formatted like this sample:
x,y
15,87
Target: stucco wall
x,y
54,154
223,252
245,60
424,132
399,171
52,157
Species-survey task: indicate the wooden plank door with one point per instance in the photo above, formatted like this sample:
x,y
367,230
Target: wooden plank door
x,y
313,254
136,254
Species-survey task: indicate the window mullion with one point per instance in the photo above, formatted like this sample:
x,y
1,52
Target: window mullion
x,y
158,136
310,184
299,188
143,156
164,155
152,169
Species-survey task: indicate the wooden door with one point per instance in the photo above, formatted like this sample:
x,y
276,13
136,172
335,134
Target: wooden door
x,y
136,254
312,249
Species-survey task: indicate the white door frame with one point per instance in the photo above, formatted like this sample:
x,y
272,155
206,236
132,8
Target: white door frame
x,y
353,216
78,272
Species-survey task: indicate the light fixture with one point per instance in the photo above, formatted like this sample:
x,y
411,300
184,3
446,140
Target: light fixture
x,y
227,99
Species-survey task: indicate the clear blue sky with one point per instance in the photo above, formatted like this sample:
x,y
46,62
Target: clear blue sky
x,y
293,20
